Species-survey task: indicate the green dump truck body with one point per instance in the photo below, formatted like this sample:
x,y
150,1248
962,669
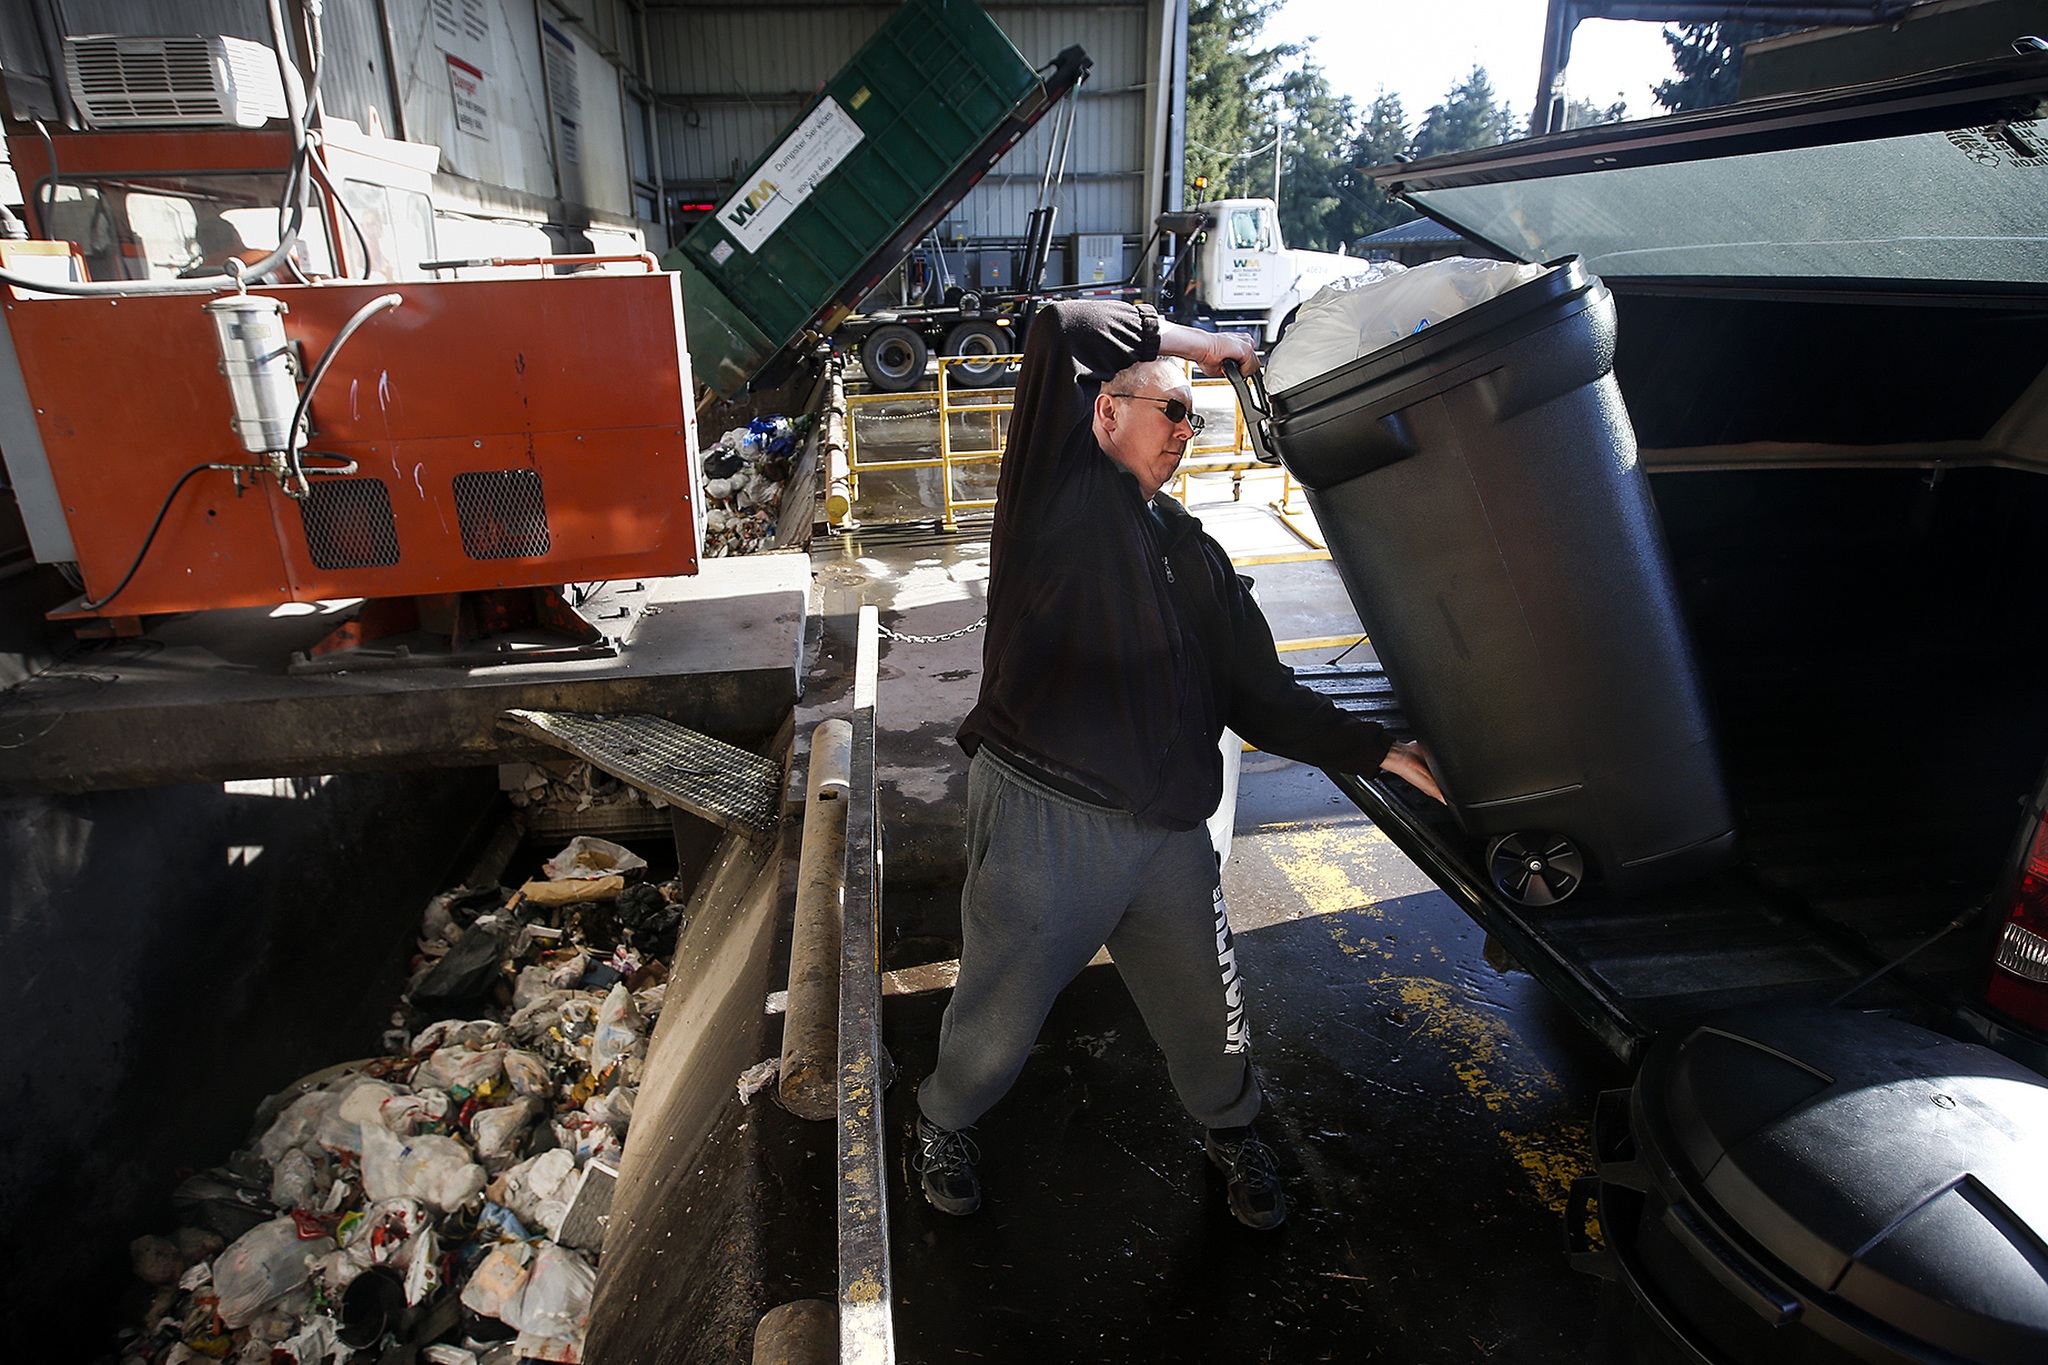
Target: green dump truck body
x,y
886,137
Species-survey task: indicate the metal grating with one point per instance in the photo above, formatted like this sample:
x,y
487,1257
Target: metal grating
x,y
348,524
721,782
502,513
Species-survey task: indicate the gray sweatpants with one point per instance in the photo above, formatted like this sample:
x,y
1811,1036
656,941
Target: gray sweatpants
x,y
1051,879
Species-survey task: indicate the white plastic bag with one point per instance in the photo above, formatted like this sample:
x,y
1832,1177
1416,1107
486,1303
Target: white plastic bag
x,y
261,1266
497,1280
407,1114
299,1121
294,1183
1351,318
539,1189
528,1074
459,1070
556,1300
497,1131
588,858
1323,334
342,1129
422,1261
618,1028
435,1170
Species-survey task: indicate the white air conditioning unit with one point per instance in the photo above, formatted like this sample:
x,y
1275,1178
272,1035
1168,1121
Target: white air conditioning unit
x,y
122,81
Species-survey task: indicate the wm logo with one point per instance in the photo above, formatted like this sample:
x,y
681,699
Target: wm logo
x,y
759,199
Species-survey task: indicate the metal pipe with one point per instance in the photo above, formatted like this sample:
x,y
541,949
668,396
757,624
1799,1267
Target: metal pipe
x,y
810,1030
867,1330
838,466
395,86
802,1333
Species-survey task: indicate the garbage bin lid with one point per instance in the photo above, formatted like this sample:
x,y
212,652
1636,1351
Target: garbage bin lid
x,y
1892,1168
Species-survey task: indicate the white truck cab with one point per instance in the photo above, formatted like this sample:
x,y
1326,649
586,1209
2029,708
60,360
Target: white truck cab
x,y
1235,274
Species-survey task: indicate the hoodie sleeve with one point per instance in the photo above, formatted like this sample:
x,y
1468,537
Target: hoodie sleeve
x,y
1281,716
1073,348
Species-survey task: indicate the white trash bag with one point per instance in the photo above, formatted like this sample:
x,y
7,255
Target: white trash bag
x,y
1350,318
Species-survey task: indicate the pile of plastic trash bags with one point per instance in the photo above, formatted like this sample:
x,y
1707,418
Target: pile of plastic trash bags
x,y
450,1195
743,478
1353,317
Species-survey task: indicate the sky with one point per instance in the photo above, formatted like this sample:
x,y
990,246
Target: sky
x,y
1418,49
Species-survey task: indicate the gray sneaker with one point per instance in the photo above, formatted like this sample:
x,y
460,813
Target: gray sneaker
x,y
1251,1180
945,1159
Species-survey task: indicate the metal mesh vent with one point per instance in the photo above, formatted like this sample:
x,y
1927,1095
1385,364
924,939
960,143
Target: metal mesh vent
x,y
121,80
348,524
502,514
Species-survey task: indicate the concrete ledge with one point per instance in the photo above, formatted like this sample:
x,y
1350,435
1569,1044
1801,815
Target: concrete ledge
x,y
206,697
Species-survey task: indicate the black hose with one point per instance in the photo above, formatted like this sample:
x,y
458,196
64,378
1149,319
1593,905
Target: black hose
x,y
348,329
49,189
149,539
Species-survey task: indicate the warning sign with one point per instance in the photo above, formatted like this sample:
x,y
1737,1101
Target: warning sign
x,y
466,86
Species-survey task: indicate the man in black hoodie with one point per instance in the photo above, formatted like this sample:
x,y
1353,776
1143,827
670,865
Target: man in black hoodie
x,y
1120,644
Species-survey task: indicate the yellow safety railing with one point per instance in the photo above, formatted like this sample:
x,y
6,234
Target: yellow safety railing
x,y
952,400
959,404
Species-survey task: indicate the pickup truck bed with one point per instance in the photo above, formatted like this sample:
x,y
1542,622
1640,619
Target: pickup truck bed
x,y
1871,645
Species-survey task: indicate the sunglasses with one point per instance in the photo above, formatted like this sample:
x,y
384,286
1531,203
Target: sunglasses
x,y
1176,411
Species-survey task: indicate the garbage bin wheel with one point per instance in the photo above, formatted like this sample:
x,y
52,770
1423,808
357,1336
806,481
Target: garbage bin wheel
x,y
894,357
1533,868
985,341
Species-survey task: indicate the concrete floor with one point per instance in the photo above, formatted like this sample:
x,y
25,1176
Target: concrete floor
x,y
1429,1109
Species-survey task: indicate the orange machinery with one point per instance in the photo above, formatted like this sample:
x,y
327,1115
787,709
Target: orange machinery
x,y
504,433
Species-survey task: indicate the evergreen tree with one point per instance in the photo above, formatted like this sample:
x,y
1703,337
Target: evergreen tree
x,y
1313,209
1709,62
1380,140
1468,118
1230,96
1585,113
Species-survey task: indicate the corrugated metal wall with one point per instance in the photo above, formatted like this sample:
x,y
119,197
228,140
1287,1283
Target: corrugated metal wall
x,y
729,77
481,79
548,84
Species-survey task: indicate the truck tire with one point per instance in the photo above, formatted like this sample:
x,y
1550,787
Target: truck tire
x,y
894,357
983,339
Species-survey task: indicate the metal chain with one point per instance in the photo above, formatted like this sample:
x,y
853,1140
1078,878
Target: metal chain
x,y
932,639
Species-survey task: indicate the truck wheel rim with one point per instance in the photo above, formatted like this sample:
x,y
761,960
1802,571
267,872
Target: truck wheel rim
x,y
893,359
984,348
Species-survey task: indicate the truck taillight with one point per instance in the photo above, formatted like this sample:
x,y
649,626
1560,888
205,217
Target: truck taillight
x,y
2019,973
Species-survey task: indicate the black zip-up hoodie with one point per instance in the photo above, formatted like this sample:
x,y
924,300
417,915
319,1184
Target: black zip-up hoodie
x,y
1120,639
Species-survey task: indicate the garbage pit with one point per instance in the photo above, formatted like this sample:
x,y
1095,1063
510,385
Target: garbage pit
x,y
451,1195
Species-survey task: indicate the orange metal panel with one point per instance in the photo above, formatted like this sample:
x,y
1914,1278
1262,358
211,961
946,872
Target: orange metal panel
x,y
520,433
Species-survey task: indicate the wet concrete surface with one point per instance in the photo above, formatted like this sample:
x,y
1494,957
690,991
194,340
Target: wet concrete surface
x,y
1428,1112
1428,1108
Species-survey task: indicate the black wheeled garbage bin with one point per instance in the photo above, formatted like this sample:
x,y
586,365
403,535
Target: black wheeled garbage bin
x,y
1807,1186
1478,487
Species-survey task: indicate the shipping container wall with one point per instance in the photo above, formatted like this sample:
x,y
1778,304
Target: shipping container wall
x,y
729,80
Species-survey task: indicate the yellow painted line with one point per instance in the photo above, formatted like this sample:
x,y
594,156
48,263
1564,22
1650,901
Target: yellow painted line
x,y
1477,1044
1299,557
1329,869
1319,862
1300,528
1320,642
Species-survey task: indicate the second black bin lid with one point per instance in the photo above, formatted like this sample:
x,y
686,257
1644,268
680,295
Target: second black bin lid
x,y
1887,1167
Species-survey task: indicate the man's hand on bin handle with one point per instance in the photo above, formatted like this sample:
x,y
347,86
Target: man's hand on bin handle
x,y
1207,349
1410,763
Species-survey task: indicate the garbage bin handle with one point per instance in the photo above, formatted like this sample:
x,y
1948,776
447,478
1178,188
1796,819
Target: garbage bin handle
x,y
1258,412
